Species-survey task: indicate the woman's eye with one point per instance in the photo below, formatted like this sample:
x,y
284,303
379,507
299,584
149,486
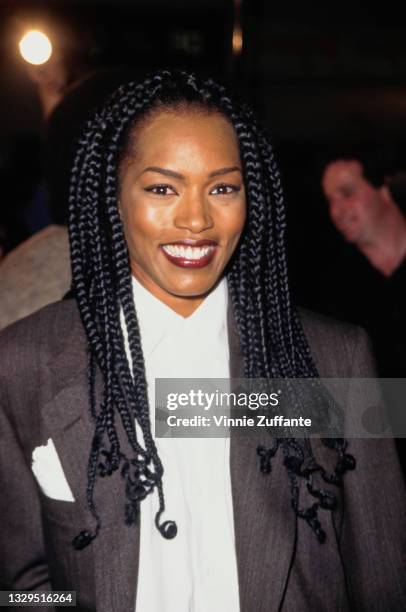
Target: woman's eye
x,y
161,190
224,189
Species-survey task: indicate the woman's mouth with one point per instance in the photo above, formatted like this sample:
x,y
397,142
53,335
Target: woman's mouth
x,y
190,255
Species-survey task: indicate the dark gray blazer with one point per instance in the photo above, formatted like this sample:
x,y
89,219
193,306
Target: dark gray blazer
x,y
281,566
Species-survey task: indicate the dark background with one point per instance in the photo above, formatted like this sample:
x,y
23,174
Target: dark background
x,y
325,78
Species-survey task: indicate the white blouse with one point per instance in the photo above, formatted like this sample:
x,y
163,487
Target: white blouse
x,y
197,570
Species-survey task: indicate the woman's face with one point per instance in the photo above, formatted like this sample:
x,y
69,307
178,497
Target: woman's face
x,y
182,203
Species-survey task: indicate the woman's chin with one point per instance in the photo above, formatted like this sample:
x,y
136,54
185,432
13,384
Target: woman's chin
x,y
191,292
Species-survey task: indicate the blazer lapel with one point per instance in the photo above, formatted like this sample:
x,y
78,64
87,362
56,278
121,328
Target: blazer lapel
x,y
265,524
67,419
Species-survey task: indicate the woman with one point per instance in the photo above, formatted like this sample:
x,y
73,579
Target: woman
x,y
177,227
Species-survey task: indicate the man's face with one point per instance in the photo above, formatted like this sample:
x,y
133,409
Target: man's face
x,y
182,202
355,206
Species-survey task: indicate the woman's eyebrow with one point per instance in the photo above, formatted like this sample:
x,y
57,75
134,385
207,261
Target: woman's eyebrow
x,y
225,171
164,171
177,175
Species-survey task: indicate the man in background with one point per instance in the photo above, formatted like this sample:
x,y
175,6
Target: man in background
x,y
370,288
367,284
367,216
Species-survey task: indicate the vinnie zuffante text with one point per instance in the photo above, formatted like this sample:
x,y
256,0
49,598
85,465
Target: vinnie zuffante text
x,y
218,400
260,420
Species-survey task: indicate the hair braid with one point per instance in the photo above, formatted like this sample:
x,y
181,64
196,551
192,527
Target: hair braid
x,y
272,339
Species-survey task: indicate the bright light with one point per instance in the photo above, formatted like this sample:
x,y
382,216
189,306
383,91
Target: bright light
x,y
237,40
35,47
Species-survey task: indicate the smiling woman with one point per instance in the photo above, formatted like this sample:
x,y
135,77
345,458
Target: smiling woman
x,y
177,233
182,203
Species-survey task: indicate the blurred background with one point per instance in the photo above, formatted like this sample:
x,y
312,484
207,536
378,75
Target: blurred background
x,y
324,77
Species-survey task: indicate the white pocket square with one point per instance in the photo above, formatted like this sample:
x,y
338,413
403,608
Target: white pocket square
x,y
49,473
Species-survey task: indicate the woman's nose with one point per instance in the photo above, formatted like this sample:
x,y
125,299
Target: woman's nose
x,y
193,214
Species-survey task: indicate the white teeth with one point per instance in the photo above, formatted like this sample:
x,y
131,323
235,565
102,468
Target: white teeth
x,y
188,252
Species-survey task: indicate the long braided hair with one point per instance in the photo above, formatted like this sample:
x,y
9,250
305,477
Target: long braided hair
x,y
272,340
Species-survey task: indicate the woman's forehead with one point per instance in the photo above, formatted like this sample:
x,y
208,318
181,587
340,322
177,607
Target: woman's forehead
x,y
187,132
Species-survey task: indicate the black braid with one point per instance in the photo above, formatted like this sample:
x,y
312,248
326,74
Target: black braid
x,y
272,339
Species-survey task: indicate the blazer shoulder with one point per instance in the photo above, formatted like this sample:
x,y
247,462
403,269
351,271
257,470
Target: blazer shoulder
x,y
37,337
339,349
